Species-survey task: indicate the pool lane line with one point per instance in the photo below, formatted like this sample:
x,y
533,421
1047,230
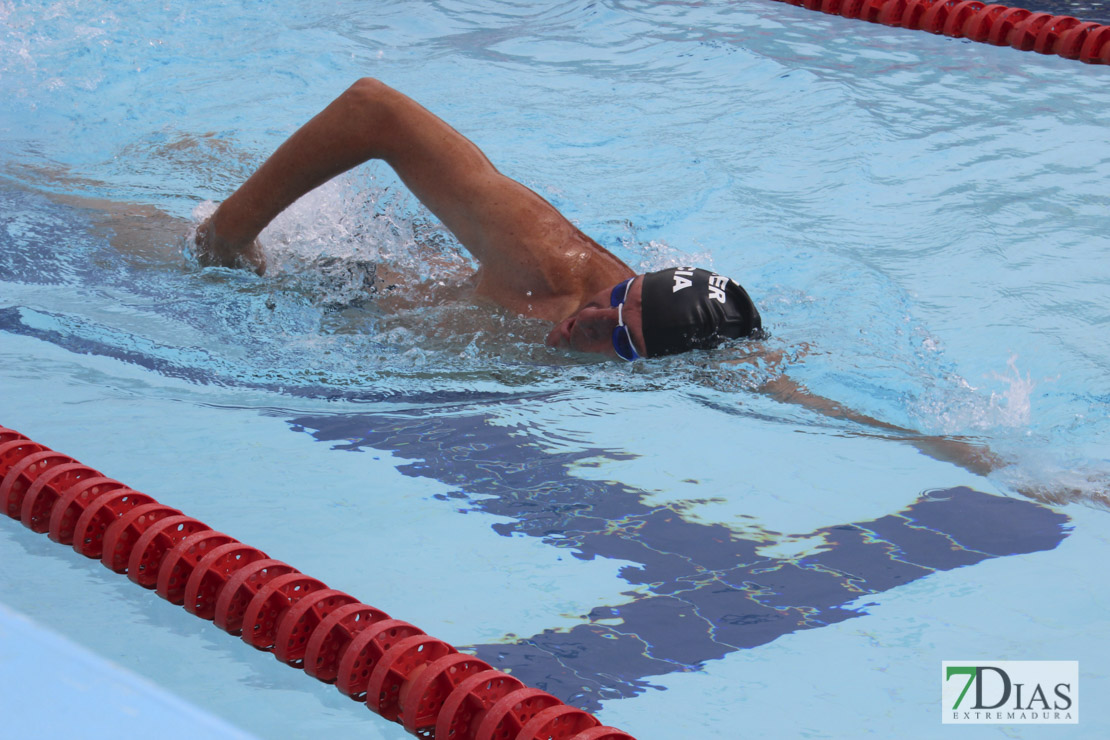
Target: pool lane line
x,y
396,669
1000,25
700,590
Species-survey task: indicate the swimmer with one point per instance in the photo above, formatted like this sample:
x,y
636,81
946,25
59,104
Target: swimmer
x,y
531,259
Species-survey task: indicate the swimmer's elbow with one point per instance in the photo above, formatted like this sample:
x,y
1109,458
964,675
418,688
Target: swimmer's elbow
x,y
369,88
366,99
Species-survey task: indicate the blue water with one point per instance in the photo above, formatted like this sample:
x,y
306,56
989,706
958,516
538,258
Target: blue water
x,y
922,222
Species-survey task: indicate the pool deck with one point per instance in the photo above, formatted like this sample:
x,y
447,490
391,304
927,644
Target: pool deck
x,y
99,698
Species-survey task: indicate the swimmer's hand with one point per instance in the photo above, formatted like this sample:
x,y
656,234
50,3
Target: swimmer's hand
x,y
215,251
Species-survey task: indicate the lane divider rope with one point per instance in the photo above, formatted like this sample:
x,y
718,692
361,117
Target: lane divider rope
x,y
1000,25
397,670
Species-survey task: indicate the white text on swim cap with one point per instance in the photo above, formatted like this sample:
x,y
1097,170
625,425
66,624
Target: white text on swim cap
x,y
682,280
716,287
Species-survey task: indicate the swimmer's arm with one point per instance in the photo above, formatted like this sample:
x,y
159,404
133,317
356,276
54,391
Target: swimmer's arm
x,y
973,457
489,213
138,230
141,232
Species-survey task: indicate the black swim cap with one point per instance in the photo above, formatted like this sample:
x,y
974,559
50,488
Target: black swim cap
x,y
686,308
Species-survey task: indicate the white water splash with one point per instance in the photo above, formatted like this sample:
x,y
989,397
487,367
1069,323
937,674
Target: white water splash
x,y
955,406
1011,408
335,240
659,255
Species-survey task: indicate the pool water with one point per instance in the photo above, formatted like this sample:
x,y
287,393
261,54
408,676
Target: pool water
x,y
922,222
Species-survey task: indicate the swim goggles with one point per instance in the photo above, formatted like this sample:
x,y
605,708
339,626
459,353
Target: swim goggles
x,y
622,340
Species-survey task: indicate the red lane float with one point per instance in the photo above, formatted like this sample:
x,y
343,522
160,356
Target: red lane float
x,y
422,697
335,633
238,591
471,700
151,548
398,664
44,493
999,25
178,564
978,27
302,619
401,673
362,654
511,712
102,512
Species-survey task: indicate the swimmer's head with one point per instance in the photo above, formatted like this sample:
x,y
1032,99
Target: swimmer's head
x,y
685,308
660,313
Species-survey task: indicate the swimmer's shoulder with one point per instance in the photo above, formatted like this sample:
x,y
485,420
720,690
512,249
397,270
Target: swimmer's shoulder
x,y
555,283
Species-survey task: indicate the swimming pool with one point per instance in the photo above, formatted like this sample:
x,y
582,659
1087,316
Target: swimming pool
x,y
922,222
